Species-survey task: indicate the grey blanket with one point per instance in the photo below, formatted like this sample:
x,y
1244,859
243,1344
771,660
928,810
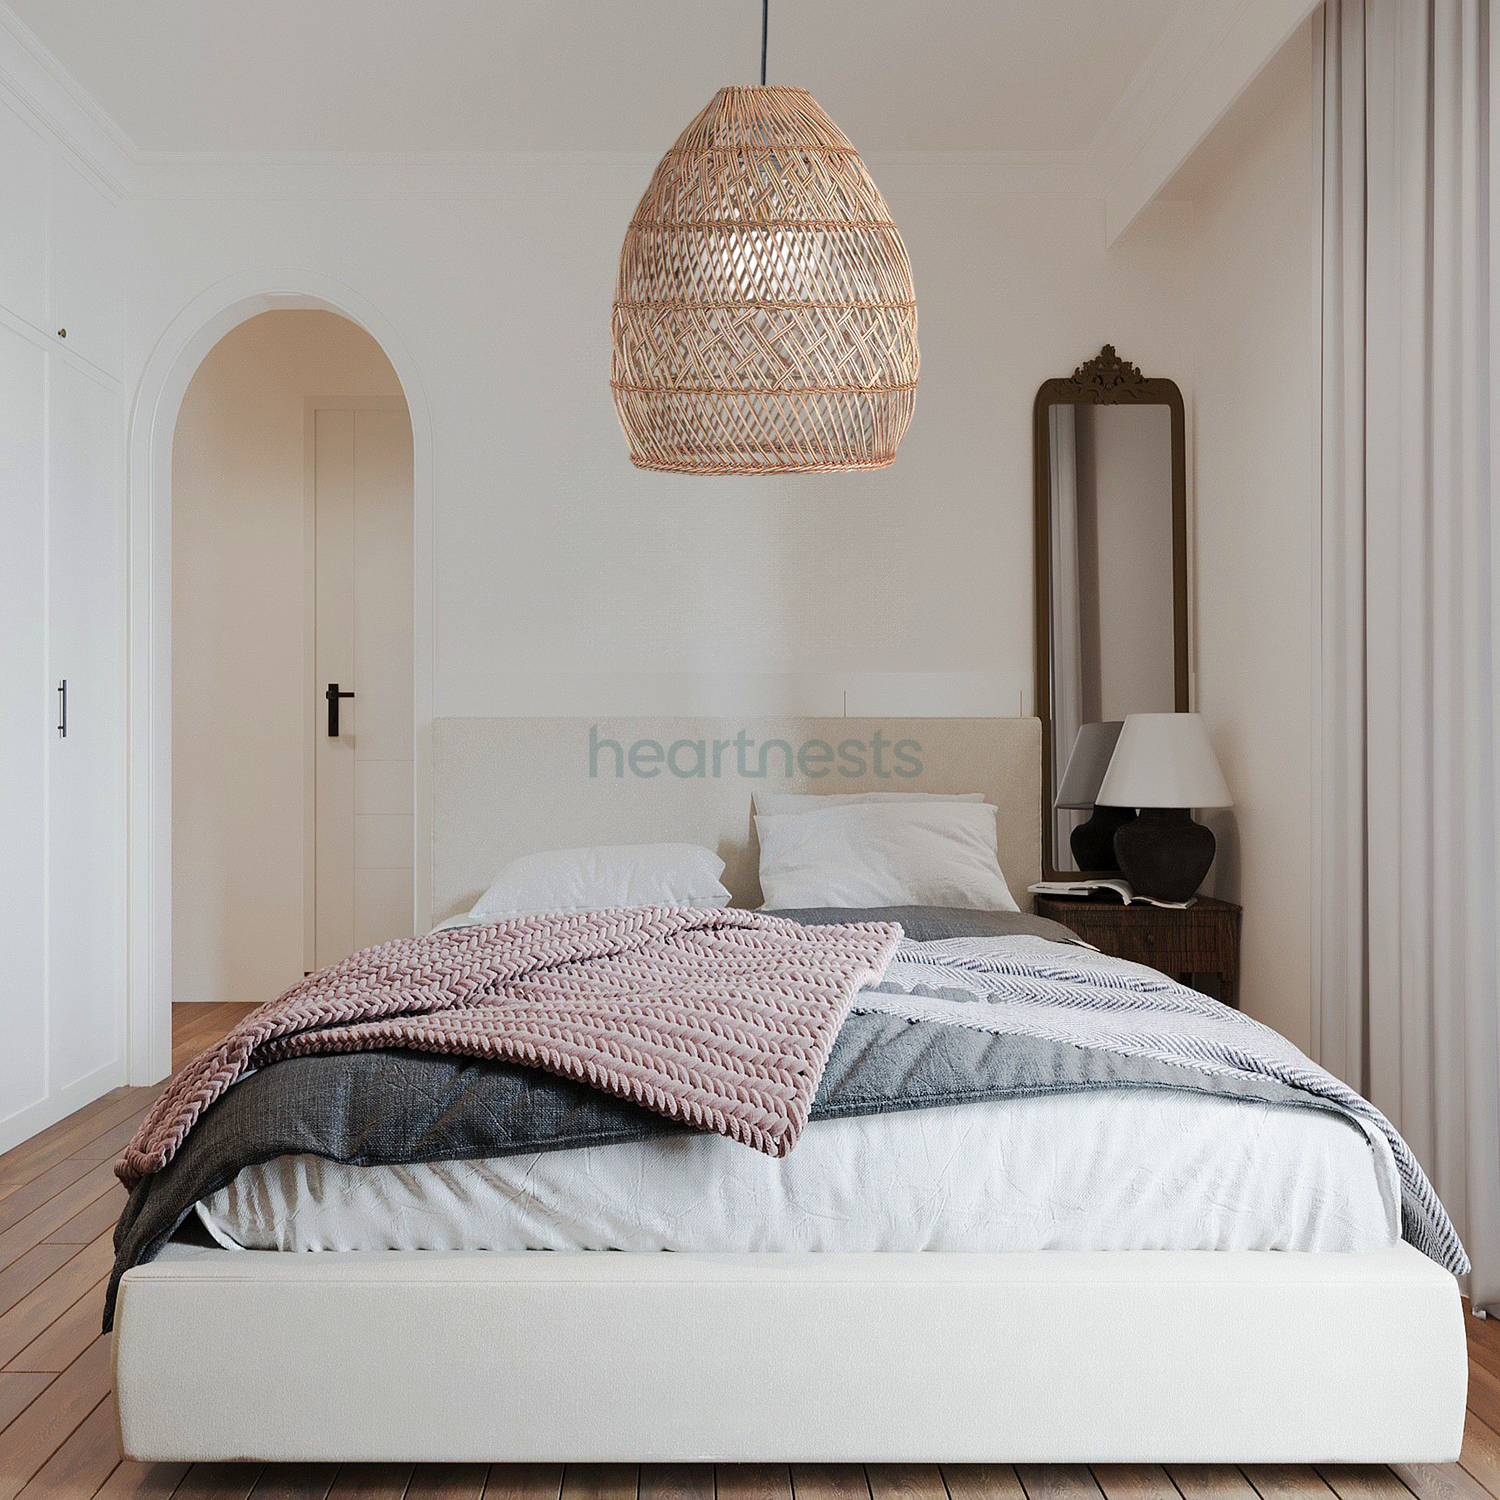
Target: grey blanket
x,y
957,1021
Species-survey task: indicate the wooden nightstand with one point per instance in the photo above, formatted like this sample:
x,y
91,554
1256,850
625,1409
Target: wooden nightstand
x,y
1203,938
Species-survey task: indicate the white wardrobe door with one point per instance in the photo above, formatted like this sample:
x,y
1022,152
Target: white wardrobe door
x,y
85,787
24,707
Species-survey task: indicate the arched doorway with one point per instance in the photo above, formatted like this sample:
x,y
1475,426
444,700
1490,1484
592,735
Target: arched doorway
x,y
171,369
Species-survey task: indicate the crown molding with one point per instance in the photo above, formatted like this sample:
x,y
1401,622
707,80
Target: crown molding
x,y
330,161
443,160
326,176
1191,79
44,88
1194,74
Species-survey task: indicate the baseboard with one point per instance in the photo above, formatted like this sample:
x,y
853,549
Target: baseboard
x,y
35,1118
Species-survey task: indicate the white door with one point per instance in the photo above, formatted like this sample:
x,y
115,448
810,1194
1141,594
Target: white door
x,y
85,774
26,703
362,506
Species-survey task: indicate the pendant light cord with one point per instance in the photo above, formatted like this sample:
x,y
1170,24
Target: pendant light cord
x,y
765,28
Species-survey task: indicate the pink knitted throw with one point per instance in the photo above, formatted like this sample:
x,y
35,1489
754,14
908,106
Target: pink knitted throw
x,y
721,1019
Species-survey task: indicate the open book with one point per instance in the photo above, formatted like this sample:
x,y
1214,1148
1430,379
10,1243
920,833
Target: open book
x,y
1102,886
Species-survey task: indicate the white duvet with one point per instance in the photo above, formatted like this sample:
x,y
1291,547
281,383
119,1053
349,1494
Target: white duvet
x,y
1112,1169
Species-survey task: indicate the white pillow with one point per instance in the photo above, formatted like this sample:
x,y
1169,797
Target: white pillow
x,y
606,875
778,804
883,854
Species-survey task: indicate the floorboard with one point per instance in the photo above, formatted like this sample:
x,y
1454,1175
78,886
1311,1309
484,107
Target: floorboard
x,y
218,1482
25,1275
448,1482
294,1482
1134,1482
1439,1481
600,1482
1484,1394
50,1302
675,1482
906,1482
49,1421
72,1136
82,1464
128,1481
1481,1455
58,1202
524,1482
45,1220
1210,1482
17,1392
1287,1482
39,1189
982,1482
1363,1482
1057,1482
371,1482
829,1482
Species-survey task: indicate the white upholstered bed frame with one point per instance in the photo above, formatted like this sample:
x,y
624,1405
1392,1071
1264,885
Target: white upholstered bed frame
x,y
535,1356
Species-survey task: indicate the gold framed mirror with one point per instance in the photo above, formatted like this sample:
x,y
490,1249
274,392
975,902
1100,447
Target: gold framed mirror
x,y
1110,462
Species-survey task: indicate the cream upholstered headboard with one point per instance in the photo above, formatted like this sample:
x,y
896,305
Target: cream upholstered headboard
x,y
503,787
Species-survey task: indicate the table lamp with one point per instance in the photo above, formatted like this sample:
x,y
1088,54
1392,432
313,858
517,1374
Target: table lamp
x,y
1164,765
1094,841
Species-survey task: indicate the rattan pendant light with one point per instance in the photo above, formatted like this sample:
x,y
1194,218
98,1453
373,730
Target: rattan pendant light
x,y
765,320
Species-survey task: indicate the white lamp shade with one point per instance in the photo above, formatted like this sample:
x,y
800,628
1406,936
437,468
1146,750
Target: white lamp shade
x,y
1092,749
1164,760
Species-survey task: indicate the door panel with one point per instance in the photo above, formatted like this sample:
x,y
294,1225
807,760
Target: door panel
x,y
363,581
25,718
85,783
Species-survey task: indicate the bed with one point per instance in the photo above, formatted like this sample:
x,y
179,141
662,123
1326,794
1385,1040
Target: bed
x,y
852,1345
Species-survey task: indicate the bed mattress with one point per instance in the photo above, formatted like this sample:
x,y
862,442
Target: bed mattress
x,y
1109,1169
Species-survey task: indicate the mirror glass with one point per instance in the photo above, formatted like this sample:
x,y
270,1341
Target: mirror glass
x,y
1114,605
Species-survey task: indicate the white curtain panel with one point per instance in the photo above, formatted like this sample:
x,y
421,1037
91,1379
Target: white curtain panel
x,y
1067,616
1407,755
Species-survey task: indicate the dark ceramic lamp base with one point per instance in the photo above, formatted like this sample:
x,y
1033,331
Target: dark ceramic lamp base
x,y
1164,854
1093,843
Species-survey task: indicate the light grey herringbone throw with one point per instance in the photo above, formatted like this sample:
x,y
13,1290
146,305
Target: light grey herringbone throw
x,y
1026,986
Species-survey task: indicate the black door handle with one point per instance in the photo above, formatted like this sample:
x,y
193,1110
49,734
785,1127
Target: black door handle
x,y
333,695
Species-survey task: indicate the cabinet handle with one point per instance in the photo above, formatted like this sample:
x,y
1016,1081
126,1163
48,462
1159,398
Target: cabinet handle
x,y
62,709
62,333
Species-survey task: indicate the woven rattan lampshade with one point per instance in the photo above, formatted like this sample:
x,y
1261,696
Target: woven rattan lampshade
x,y
765,319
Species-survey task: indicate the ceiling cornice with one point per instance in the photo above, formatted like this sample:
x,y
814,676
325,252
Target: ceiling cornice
x,y
58,102
1190,80
1191,77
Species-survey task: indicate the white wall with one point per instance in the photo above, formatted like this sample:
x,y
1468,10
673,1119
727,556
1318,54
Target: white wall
x,y
1254,401
239,645
567,581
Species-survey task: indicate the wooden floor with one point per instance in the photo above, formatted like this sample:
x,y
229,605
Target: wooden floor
x,y
58,1203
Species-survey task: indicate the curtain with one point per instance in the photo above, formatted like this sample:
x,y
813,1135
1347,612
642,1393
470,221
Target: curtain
x,y
1067,616
1407,758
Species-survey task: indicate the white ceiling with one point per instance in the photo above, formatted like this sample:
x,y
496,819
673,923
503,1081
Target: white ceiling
x,y
981,76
